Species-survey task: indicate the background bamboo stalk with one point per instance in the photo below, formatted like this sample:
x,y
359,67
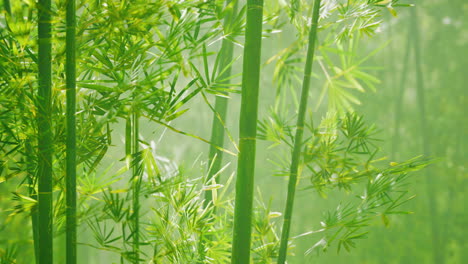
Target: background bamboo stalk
x,y
128,136
400,94
33,195
215,156
70,67
45,136
136,182
296,153
128,158
425,141
247,134
34,223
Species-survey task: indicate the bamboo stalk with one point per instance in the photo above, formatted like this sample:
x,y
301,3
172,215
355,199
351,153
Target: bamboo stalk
x,y
215,155
131,151
437,255
70,68
136,182
33,195
221,103
44,116
247,134
296,153
399,99
128,136
34,222
128,158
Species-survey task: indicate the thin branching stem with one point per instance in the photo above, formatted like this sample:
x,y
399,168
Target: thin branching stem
x,y
296,153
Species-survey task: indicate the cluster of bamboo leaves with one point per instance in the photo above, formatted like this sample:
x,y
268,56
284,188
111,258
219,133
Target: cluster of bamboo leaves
x,y
127,62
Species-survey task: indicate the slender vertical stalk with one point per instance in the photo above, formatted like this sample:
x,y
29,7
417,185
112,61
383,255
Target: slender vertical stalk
x,y
136,182
128,158
70,68
217,129
7,6
33,194
296,153
215,156
44,124
400,94
247,134
390,63
420,81
436,250
34,223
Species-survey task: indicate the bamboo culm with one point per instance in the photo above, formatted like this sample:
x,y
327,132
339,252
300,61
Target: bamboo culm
x,y
425,141
221,103
136,185
128,136
45,135
215,156
70,68
247,134
33,195
401,92
296,153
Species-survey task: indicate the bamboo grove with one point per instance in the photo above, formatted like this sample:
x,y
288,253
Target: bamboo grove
x,y
93,92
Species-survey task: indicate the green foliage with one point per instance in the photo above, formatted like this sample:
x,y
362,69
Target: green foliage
x,y
176,221
146,66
